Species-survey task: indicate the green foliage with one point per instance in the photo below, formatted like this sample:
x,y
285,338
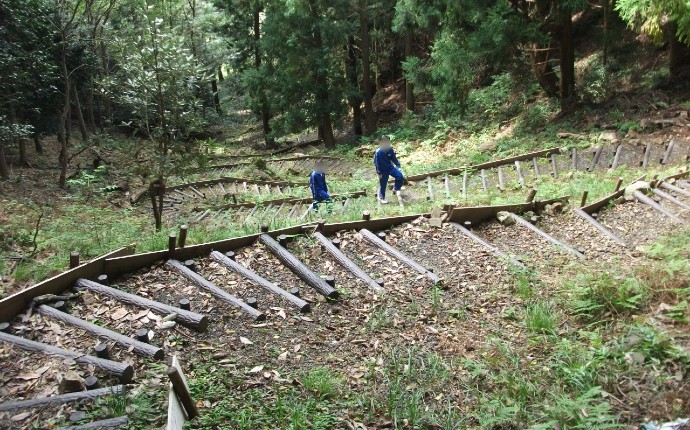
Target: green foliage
x,y
323,382
650,16
541,318
587,410
598,294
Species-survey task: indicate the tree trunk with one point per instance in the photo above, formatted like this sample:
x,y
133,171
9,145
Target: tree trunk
x,y
221,78
567,84
409,87
37,142
80,115
63,129
679,58
90,109
355,100
321,92
4,170
369,114
23,161
543,71
265,112
156,193
216,96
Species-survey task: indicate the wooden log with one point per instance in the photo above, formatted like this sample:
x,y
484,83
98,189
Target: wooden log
x,y
125,342
670,198
185,318
142,335
669,150
103,279
595,159
203,215
123,371
334,250
554,166
102,351
182,392
656,206
497,252
108,423
482,174
518,170
388,249
5,327
647,153
667,186
547,236
61,399
258,280
197,192
215,291
183,235
185,304
182,193
535,163
617,156
298,268
531,195
501,183
446,186
596,224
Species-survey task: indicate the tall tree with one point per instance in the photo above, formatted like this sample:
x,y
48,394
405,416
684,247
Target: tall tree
x,y
657,18
365,46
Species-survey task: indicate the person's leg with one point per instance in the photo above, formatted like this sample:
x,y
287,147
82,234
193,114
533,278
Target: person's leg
x,y
383,183
399,179
315,206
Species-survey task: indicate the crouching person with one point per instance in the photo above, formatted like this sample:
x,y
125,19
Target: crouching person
x,y
319,187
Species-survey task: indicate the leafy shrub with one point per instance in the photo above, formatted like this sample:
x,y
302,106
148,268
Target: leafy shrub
x,y
535,117
596,295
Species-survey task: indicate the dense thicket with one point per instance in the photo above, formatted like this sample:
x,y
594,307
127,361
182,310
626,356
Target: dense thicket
x,y
87,67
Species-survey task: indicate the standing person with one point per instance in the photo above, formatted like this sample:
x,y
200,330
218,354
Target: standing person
x,y
318,186
387,165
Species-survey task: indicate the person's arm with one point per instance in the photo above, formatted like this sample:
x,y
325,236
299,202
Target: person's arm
x,y
312,186
324,195
394,159
376,163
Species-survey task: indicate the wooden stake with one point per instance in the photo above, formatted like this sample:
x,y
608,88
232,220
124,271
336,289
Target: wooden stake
x,y
583,202
531,195
123,341
595,159
185,304
101,350
430,189
619,184
143,335
596,224
647,154
366,215
103,279
91,383
617,156
73,259
554,166
446,184
482,174
464,184
215,291
186,318
501,184
670,198
518,170
535,163
669,150
182,392
183,235
123,371
377,242
258,280
574,152
172,241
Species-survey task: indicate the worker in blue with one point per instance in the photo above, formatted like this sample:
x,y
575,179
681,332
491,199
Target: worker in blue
x,y
318,187
387,165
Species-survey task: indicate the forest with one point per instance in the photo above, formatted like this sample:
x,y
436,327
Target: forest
x,y
197,229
